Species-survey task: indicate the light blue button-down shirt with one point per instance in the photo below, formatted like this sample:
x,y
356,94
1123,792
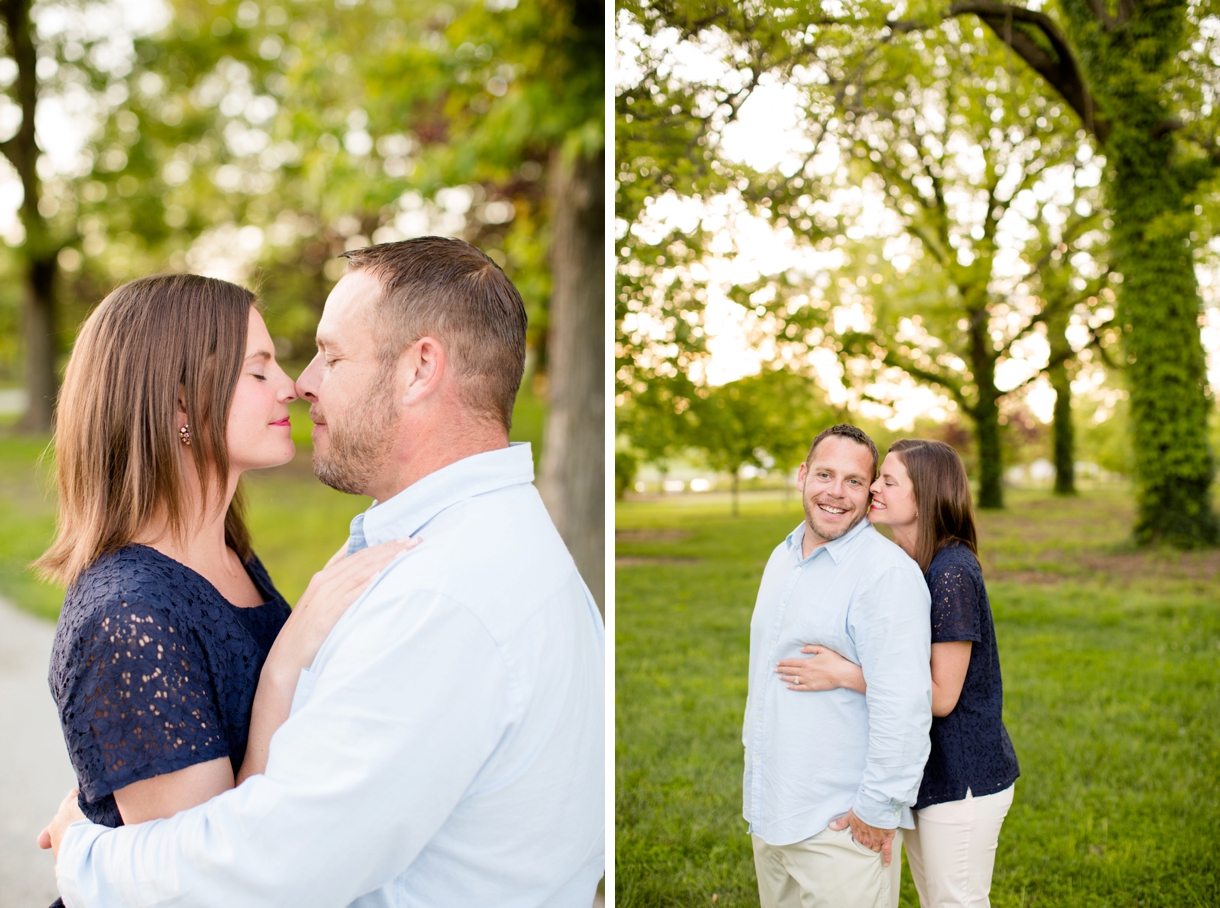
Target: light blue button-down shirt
x,y
811,756
446,747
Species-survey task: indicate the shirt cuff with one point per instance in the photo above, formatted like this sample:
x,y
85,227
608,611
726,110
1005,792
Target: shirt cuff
x,y
885,814
73,852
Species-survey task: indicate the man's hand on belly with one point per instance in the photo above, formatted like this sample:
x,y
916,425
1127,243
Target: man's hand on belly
x,y
871,837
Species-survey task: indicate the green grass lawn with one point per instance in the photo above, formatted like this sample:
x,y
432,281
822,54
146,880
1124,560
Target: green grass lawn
x,y
1111,662
296,522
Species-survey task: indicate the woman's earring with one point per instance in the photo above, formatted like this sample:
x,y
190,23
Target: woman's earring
x,y
185,434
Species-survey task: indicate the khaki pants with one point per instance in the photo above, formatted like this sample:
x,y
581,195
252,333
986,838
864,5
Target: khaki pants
x,y
951,850
828,870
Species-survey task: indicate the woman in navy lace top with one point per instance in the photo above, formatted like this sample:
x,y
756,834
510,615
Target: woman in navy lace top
x,y
170,620
923,494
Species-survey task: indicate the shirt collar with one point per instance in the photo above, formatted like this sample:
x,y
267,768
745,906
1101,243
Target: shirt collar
x,y
835,548
405,513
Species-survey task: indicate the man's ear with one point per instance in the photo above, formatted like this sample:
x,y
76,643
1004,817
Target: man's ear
x,y
421,370
801,472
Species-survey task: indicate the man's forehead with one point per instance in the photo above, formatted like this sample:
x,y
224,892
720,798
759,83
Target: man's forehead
x,y
841,455
346,309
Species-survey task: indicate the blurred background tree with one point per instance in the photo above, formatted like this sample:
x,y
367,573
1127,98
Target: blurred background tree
x,y
258,140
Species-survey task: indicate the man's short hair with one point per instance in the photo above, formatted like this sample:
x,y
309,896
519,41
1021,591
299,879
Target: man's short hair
x,y
447,289
843,430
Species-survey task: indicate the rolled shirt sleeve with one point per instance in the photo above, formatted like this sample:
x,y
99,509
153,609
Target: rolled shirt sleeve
x,y
394,733
890,624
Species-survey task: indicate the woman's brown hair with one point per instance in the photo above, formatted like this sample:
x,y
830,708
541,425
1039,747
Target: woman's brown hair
x,y
118,452
942,497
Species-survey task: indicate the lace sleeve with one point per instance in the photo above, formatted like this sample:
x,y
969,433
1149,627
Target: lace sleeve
x,y
141,702
956,597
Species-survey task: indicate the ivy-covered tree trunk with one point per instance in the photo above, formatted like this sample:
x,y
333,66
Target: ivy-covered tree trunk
x,y
1167,376
574,455
1128,59
1122,88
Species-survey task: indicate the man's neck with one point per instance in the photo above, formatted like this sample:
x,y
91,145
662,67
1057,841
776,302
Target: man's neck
x,y
412,462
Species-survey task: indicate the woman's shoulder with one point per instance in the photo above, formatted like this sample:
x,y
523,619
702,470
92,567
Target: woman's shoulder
x,y
955,573
955,557
133,579
128,602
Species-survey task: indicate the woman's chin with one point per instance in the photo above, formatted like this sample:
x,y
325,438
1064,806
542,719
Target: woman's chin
x,y
286,456
268,460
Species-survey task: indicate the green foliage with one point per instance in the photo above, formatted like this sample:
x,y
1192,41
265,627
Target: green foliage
x,y
937,123
27,524
1106,443
282,133
764,420
1111,667
667,134
625,466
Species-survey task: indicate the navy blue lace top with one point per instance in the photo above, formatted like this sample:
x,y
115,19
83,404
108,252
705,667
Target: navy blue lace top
x,y
153,671
970,746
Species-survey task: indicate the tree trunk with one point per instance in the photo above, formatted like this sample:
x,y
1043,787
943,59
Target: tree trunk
x,y
986,414
1063,435
1153,213
39,251
41,380
1167,377
736,483
573,469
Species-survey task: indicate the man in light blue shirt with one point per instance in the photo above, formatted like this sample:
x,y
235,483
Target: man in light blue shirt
x,y
813,757
446,747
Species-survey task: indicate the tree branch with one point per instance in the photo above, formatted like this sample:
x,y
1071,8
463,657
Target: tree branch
x,y
933,378
1036,38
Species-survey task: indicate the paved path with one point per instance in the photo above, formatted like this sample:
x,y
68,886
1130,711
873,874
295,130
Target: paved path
x,y
34,768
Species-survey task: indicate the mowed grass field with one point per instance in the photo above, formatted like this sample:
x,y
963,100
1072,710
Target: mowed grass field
x,y
1111,662
296,523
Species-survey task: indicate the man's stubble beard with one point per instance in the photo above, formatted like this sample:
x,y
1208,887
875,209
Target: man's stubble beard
x,y
360,445
812,526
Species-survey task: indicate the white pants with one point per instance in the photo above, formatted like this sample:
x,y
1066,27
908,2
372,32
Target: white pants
x,y
828,870
951,850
